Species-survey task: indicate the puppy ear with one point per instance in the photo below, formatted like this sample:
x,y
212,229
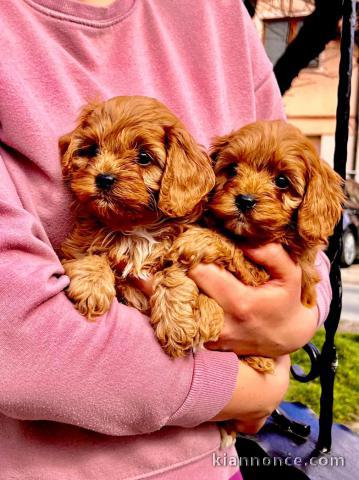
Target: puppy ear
x,y
86,112
188,174
65,140
321,207
218,144
64,143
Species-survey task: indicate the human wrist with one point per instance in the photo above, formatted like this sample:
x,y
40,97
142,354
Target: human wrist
x,y
256,394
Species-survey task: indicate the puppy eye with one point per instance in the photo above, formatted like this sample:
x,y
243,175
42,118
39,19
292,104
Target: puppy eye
x,y
144,159
89,152
282,181
232,170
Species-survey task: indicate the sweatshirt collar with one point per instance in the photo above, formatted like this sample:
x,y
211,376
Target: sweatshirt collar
x,y
86,14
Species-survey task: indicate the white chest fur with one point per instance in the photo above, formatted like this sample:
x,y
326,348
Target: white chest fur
x,y
135,247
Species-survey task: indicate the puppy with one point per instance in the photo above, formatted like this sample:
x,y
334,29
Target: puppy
x,y
271,186
139,179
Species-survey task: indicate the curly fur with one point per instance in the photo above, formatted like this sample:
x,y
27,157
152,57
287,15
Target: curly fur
x,y
123,232
300,217
145,223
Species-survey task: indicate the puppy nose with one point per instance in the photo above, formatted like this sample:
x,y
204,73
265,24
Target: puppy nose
x,y
104,181
245,202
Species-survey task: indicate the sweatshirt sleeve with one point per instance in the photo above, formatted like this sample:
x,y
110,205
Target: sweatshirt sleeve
x,y
111,375
324,289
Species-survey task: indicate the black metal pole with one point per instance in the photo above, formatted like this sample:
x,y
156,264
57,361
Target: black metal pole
x,y
329,356
356,124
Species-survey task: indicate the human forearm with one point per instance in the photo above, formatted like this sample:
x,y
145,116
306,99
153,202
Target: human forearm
x,y
111,375
256,394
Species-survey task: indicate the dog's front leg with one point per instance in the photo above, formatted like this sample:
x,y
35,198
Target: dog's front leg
x,y
202,245
173,310
182,317
92,284
309,294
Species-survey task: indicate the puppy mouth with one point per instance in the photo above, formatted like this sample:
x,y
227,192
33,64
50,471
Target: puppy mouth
x,y
120,214
238,224
117,201
242,220
119,208
241,217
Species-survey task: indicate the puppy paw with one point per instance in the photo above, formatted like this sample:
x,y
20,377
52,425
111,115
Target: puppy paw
x,y
173,311
228,437
247,272
310,278
260,364
92,285
308,297
210,320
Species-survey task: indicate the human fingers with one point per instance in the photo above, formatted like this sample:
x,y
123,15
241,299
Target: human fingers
x,y
220,285
275,261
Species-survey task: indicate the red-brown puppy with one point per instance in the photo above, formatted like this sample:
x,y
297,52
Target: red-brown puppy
x,y
138,179
271,186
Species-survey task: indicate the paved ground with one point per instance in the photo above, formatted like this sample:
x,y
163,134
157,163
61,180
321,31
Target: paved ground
x,y
350,313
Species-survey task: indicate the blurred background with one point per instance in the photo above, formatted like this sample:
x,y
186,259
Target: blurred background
x,y
302,40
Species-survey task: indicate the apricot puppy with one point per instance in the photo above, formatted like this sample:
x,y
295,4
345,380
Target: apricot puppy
x,y
271,186
139,179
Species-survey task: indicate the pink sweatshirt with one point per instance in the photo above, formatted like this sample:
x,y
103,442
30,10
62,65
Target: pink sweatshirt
x,y
97,401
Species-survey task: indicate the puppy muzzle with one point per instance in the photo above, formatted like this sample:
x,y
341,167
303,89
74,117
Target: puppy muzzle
x,y
245,202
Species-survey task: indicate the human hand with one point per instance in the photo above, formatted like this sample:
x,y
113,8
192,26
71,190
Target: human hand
x,y
256,396
267,320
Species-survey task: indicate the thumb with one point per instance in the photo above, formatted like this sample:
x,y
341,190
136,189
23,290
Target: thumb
x,y
274,259
218,284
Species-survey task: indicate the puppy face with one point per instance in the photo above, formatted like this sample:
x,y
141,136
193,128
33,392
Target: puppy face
x,y
270,183
131,162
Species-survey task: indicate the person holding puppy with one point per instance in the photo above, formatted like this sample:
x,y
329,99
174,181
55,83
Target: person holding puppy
x,y
101,400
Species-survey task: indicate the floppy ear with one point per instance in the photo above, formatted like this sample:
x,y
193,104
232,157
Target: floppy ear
x,y
188,174
86,112
218,144
64,143
321,207
65,140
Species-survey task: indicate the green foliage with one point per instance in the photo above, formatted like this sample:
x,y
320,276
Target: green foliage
x,y
346,388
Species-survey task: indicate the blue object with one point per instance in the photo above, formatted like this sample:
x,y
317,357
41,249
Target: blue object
x,y
274,452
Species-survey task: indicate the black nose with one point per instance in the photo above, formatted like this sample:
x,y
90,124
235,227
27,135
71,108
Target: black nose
x,y
245,202
105,181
